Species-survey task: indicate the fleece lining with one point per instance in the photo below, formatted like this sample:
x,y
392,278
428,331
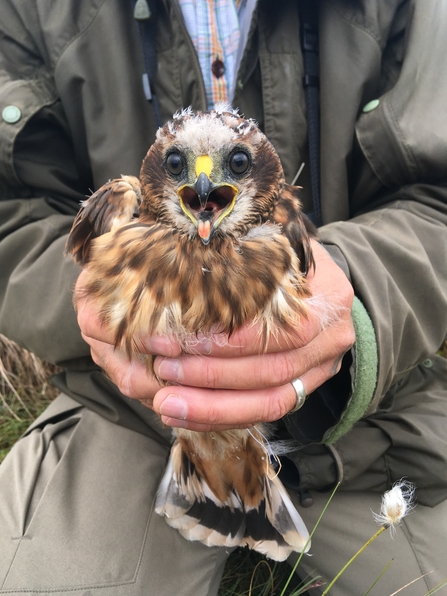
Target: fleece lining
x,y
363,373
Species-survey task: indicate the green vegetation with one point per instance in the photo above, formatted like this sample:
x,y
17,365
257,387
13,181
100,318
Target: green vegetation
x,y
24,392
248,573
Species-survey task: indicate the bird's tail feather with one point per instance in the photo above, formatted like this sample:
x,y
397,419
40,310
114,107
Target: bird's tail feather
x,y
268,523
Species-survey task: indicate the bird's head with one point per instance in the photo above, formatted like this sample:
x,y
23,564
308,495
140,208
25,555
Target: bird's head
x,y
210,173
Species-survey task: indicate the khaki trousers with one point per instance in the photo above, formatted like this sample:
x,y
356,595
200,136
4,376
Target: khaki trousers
x,y
76,518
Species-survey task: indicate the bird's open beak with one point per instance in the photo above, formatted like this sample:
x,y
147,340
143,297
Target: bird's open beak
x,y
204,202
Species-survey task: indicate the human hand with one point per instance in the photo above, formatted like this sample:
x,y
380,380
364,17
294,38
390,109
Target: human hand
x,y
132,377
233,386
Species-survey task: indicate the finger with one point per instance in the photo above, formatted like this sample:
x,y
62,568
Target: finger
x,y
204,428
157,344
260,371
249,372
313,378
89,321
193,408
216,410
133,378
249,340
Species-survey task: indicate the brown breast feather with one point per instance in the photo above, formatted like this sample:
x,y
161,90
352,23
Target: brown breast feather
x,y
147,278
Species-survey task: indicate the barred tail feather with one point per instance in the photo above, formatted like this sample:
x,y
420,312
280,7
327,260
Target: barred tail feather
x,y
287,520
268,523
189,505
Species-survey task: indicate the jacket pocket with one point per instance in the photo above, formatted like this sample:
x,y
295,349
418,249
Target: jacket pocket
x,y
20,100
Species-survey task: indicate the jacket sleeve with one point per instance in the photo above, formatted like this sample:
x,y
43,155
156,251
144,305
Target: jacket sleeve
x,y
397,257
394,245
40,190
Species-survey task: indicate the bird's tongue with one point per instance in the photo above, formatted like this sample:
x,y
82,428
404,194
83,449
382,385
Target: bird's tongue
x,y
204,228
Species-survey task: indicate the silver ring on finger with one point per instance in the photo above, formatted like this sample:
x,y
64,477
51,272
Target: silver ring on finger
x,y
301,395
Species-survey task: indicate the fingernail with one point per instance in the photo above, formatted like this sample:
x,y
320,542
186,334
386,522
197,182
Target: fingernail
x,y
174,422
204,346
169,369
158,345
174,407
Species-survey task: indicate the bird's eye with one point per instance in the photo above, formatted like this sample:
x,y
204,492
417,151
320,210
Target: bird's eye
x,y
239,162
174,163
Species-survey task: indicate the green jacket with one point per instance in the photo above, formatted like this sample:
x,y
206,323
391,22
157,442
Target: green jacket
x,y
74,115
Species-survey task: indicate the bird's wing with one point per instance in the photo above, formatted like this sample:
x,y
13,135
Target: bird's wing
x,y
296,226
116,203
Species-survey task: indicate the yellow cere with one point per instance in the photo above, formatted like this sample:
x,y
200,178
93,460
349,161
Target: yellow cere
x,y
204,163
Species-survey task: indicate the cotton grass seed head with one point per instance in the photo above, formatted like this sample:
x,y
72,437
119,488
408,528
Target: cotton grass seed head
x,y
396,504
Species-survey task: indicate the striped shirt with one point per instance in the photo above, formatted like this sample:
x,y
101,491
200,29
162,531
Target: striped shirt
x,y
214,27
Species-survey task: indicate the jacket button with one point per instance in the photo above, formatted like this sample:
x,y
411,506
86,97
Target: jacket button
x,y
11,114
142,12
370,106
428,363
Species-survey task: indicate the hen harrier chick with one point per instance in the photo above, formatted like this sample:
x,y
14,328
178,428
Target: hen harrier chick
x,y
210,238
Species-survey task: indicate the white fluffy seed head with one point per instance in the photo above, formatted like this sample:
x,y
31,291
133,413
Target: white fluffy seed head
x,y
396,504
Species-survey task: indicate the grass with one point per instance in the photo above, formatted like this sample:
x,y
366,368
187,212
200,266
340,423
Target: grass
x,y
248,573
25,392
